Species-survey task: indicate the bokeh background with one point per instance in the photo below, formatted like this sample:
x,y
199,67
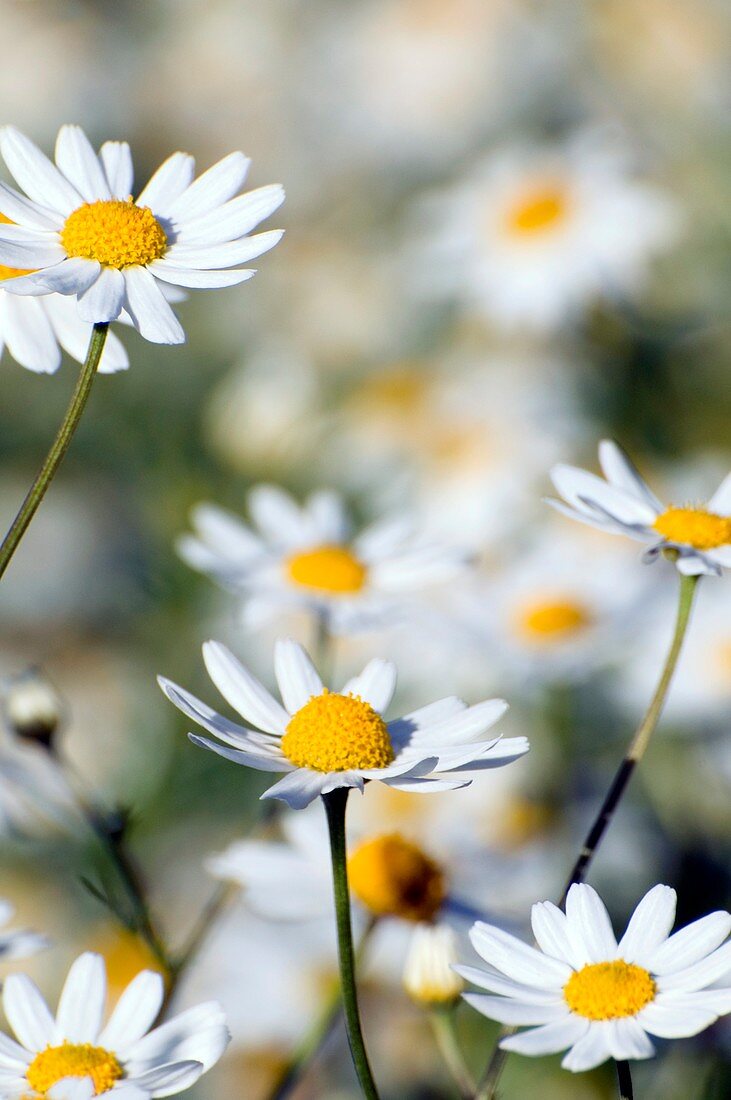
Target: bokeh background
x,y
368,356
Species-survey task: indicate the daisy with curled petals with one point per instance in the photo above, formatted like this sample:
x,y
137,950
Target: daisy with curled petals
x,y
327,740
582,991
76,1056
698,535
307,557
78,230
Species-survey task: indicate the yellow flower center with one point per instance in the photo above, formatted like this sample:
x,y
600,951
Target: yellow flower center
x,y
695,527
537,211
73,1060
394,878
327,569
12,272
552,620
609,990
334,733
117,233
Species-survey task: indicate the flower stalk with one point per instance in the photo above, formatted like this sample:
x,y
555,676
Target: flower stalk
x,y
59,447
445,1033
634,754
624,1081
335,804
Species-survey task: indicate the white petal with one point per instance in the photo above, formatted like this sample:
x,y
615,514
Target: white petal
x,y
72,276
83,999
169,1079
628,1040
249,758
16,251
375,684
495,983
168,183
720,502
690,944
117,160
105,297
516,959
135,1012
621,471
29,334
589,1051
151,315
234,219
589,923
507,1011
73,334
80,164
28,1013
198,1034
277,515
551,931
548,1039
668,1022
650,925
198,280
242,690
578,486
25,212
240,737
36,175
230,254
699,974
296,675
213,188
298,789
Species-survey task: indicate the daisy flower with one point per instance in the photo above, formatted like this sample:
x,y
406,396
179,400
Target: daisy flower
x,y
306,557
78,230
429,977
593,996
76,1055
326,740
623,504
536,235
17,943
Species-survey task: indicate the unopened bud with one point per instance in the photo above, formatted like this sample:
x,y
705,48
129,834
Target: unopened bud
x,y
32,707
429,978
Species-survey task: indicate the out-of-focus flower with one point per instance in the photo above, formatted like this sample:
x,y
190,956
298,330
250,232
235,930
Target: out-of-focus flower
x,y
35,798
535,236
429,976
17,944
326,740
31,706
306,557
76,1056
700,535
599,998
79,232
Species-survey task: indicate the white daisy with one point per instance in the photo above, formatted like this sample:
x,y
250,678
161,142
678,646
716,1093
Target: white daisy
x,y
78,231
324,740
17,944
599,998
429,971
306,557
75,1055
624,504
536,235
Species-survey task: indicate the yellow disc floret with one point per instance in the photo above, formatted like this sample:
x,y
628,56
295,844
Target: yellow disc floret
x,y
695,527
332,569
334,733
395,878
73,1060
537,211
551,620
12,272
114,232
609,990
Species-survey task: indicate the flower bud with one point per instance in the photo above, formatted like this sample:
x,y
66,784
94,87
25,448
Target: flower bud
x,y
428,976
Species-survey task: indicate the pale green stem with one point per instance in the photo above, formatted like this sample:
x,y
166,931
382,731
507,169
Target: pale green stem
x,y
60,445
445,1032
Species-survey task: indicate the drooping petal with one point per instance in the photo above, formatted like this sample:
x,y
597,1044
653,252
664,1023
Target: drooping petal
x,y
549,1039
148,309
104,299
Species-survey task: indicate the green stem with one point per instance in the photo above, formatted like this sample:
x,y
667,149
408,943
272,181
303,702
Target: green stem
x,y
137,894
624,1081
58,449
442,1022
335,803
634,754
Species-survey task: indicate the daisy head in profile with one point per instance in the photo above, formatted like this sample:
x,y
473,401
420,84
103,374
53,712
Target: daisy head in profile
x,y
76,1056
308,557
582,991
76,228
696,536
324,740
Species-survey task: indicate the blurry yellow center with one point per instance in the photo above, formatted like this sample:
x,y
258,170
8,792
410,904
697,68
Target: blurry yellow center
x,y
327,569
114,232
609,991
12,272
73,1060
334,733
552,620
694,526
394,878
537,212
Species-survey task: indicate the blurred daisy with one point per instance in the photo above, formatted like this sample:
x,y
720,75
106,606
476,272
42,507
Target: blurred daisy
x,y
624,504
307,557
78,231
76,1056
35,798
324,740
17,944
599,998
537,235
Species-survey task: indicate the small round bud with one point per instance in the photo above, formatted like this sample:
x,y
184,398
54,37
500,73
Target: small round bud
x,y
32,707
